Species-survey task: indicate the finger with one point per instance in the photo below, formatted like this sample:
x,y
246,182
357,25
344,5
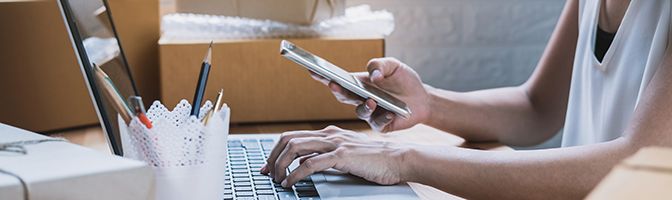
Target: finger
x,y
296,148
365,110
362,76
304,158
318,78
280,146
380,119
380,68
317,163
344,95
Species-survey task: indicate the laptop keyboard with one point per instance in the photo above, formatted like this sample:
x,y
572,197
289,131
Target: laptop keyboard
x,y
245,182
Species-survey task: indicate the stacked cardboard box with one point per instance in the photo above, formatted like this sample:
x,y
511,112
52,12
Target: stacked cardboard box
x,y
259,84
645,175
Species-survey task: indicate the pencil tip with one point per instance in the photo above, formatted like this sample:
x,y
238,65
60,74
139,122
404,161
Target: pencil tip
x,y
208,57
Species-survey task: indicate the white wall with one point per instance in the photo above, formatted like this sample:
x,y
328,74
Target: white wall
x,y
470,44
466,45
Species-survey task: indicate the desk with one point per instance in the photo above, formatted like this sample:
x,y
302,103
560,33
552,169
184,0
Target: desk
x,y
93,137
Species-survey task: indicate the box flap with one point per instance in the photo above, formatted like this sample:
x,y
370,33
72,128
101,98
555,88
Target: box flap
x,y
651,158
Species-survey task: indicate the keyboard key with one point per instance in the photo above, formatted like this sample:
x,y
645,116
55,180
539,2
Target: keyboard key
x,y
260,178
228,197
254,150
265,182
267,146
241,179
286,196
256,158
236,149
309,198
307,194
246,198
244,194
238,166
243,189
305,189
240,176
257,162
304,184
266,197
256,166
242,184
264,192
262,187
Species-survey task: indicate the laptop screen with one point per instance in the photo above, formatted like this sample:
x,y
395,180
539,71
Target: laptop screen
x,y
96,43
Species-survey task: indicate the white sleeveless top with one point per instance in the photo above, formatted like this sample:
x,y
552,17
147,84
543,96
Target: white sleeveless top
x,y
603,96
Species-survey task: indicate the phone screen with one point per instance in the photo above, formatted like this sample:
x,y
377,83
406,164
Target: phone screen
x,y
319,62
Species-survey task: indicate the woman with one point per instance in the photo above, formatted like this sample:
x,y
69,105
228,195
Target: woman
x,y
604,77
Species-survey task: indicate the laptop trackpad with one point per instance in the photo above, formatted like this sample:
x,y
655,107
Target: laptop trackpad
x,y
333,184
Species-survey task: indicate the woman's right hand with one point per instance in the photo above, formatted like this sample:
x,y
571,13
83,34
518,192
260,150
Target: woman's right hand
x,y
397,79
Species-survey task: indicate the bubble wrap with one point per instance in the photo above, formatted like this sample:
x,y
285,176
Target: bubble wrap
x,y
188,158
358,21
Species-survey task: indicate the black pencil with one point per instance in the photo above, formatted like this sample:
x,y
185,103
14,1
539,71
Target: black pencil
x,y
202,81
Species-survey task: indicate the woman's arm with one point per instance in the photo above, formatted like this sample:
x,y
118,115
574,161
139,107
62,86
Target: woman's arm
x,y
553,173
522,115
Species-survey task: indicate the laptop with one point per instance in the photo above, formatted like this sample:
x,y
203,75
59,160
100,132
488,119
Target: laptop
x,y
95,40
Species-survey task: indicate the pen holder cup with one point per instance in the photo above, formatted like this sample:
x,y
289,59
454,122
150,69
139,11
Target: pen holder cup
x,y
188,157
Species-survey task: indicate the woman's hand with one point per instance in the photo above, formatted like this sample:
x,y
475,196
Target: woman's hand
x,y
343,150
394,77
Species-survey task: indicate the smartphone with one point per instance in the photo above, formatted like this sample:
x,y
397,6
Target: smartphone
x,y
343,78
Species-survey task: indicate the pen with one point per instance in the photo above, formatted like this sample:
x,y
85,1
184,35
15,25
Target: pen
x,y
139,110
202,81
216,108
219,99
112,93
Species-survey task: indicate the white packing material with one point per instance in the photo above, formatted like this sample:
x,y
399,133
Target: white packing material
x,y
56,169
358,21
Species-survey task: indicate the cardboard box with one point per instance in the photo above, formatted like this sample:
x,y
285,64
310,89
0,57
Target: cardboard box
x,y
61,170
259,84
290,11
645,175
41,82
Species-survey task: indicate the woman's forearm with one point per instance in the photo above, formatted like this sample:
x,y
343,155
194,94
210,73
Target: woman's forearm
x,y
522,115
556,173
502,114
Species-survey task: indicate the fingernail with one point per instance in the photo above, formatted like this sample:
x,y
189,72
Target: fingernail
x,y
389,116
284,183
366,106
263,169
376,74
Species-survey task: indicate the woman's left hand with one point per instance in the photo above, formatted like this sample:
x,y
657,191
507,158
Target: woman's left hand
x,y
332,147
